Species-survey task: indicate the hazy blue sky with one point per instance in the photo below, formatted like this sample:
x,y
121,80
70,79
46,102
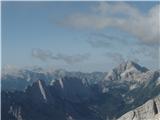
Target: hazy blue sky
x,y
85,36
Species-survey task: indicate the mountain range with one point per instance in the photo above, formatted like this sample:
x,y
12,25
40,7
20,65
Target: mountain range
x,y
62,95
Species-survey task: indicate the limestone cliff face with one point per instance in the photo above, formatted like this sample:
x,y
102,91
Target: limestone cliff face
x,y
148,111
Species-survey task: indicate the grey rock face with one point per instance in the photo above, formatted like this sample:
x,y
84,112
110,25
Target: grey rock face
x,y
16,112
149,111
61,101
72,89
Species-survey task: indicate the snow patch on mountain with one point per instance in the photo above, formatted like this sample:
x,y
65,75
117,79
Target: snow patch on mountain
x,y
61,83
105,90
134,86
42,90
131,73
16,112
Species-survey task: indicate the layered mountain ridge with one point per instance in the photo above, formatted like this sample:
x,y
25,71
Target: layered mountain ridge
x,y
66,95
43,102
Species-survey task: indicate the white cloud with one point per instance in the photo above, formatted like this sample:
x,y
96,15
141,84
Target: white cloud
x,y
45,55
146,27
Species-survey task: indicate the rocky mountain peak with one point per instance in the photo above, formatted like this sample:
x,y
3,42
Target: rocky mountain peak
x,y
126,70
128,65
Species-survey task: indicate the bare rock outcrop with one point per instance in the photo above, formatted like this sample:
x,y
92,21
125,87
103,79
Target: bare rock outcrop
x,y
148,111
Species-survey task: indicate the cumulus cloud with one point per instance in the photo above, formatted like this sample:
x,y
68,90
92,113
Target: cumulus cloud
x,y
71,59
121,15
45,55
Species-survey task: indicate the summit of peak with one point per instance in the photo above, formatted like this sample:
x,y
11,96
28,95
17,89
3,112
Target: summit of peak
x,y
131,65
127,69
